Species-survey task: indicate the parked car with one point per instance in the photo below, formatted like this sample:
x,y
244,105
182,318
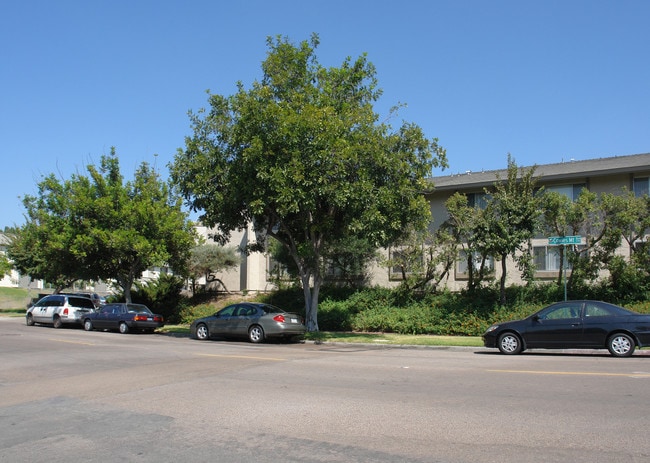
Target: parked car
x,y
256,321
97,300
573,324
59,309
123,317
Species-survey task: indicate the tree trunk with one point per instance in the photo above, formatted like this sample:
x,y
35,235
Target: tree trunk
x,y
503,280
311,296
126,284
311,302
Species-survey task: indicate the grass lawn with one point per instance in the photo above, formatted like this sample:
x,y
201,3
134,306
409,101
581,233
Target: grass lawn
x,y
15,300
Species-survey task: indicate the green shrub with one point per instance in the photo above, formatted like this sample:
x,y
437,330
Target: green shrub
x,y
465,313
162,296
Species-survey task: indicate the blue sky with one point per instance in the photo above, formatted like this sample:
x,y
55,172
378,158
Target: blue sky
x,y
545,80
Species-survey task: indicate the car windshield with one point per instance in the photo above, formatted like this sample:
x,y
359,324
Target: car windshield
x,y
138,308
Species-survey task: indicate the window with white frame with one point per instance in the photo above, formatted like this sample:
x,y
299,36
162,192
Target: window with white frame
x,y
547,258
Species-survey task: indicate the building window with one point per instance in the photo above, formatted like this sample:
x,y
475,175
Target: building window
x,y
570,191
477,259
404,263
478,200
641,186
547,258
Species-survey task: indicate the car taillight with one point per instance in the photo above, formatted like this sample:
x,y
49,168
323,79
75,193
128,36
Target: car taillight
x,y
158,318
140,318
279,318
65,311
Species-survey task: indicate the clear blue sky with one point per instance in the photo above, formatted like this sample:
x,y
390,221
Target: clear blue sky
x,y
544,80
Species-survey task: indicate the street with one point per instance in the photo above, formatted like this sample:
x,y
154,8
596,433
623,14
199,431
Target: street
x,y
70,395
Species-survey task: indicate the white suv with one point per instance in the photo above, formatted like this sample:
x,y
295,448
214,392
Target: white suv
x,y
57,309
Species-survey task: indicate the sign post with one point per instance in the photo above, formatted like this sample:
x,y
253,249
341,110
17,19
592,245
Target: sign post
x,y
564,241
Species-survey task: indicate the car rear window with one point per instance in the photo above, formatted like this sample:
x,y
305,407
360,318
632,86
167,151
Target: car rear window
x,y
81,302
272,309
138,308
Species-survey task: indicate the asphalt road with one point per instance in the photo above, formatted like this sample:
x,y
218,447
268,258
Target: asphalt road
x,y
68,395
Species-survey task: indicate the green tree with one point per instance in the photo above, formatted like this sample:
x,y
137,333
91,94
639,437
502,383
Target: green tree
x,y
302,157
424,259
208,259
556,214
604,220
464,227
53,243
511,219
6,237
630,216
97,227
345,263
5,266
136,225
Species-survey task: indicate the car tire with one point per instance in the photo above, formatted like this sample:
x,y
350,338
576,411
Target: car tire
x,y
202,332
621,345
56,322
256,334
88,325
509,344
29,320
124,328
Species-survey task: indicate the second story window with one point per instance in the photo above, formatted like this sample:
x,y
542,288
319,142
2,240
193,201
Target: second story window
x,y
641,186
478,200
570,191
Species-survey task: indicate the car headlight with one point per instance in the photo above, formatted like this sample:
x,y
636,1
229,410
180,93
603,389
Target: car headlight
x,y
492,328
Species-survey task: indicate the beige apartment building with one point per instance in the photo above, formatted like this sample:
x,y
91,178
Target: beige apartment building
x,y
601,175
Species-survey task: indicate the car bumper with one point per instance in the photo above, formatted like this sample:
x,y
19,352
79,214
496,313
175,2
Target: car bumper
x,y
490,341
285,330
145,325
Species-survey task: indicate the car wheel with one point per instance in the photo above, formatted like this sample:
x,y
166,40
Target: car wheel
x,y
202,332
88,325
57,323
29,320
124,328
510,344
256,334
621,345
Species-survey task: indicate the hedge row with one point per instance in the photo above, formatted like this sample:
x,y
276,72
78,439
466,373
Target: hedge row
x,y
385,310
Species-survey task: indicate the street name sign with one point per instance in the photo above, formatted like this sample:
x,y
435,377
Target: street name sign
x,y
558,240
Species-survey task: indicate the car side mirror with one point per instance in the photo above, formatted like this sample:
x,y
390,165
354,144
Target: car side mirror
x,y
536,318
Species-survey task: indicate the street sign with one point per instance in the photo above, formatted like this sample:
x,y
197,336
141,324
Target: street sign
x,y
559,240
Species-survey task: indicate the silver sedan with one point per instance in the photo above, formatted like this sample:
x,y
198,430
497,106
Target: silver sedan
x,y
254,320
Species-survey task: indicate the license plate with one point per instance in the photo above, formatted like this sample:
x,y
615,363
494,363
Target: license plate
x,y
294,320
